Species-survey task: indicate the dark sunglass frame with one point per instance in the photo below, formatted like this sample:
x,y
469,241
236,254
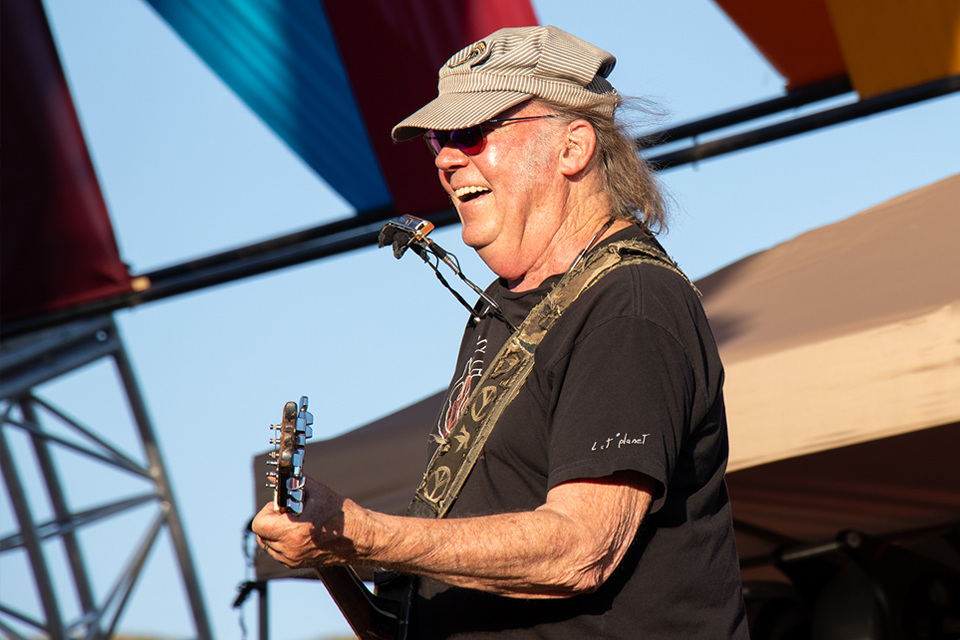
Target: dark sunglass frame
x,y
471,140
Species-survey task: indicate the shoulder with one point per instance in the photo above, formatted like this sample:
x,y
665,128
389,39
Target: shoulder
x,y
644,286
648,306
646,290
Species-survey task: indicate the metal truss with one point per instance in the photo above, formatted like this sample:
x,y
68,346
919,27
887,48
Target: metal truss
x,y
35,483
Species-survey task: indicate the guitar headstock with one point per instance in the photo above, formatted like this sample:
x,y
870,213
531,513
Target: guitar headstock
x,y
287,456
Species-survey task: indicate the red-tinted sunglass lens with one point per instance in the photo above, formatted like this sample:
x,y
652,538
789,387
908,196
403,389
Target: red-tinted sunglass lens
x,y
470,141
436,140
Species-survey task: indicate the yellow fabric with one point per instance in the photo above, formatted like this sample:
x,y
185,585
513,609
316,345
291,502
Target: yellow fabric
x,y
894,44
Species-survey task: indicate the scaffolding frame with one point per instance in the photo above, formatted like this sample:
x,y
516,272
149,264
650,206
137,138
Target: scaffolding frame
x,y
38,358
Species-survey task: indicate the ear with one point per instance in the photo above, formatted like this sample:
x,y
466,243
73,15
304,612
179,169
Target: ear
x,y
580,143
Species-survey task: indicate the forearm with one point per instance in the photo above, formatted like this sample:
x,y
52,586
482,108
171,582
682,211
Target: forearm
x,y
569,545
549,552
481,553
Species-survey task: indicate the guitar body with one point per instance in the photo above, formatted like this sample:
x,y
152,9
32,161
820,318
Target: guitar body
x,y
372,617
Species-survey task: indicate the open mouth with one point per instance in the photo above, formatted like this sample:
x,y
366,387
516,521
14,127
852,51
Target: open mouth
x,y
465,194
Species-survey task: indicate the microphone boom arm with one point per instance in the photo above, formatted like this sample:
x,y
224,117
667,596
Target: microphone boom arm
x,y
410,232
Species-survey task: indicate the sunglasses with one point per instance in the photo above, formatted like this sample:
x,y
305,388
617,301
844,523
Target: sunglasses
x,y
471,140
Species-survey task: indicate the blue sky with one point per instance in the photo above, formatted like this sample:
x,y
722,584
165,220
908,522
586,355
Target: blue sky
x,y
187,170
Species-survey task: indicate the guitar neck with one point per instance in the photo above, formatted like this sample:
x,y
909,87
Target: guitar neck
x,y
371,617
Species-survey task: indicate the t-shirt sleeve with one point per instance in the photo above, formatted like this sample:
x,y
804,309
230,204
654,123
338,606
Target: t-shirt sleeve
x,y
625,399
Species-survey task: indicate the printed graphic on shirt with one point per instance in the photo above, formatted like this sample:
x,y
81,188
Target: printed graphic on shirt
x,y
460,391
619,441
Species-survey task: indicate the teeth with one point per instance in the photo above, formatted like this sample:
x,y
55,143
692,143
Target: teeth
x,y
462,191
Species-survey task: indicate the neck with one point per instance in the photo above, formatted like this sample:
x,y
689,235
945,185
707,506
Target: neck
x,y
567,246
591,244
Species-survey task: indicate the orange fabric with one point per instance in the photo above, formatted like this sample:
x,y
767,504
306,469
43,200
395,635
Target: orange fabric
x,y
797,37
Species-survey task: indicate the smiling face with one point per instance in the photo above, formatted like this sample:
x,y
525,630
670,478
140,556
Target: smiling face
x,y
510,196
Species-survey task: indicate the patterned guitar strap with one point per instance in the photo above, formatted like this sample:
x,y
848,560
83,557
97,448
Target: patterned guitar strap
x,y
499,385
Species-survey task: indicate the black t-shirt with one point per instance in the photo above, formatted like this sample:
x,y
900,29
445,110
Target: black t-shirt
x,y
627,379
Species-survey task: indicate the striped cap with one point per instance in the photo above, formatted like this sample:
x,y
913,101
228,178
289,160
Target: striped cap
x,y
511,66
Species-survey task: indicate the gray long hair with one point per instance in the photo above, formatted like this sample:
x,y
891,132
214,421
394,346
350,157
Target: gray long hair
x,y
628,181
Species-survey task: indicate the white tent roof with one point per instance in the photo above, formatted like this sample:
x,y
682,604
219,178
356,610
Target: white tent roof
x,y
844,334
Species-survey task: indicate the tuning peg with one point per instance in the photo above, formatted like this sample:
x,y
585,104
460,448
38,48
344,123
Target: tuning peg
x,y
304,420
272,462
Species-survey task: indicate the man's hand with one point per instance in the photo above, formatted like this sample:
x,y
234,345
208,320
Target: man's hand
x,y
314,538
569,545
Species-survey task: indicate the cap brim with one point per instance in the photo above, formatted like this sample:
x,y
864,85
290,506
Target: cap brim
x,y
457,111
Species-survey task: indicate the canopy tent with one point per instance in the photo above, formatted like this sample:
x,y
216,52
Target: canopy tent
x,y
844,334
843,387
843,375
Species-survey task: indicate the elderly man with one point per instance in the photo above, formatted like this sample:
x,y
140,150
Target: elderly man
x,y
596,506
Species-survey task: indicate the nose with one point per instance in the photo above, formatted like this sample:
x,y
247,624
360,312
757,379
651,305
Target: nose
x,y
450,157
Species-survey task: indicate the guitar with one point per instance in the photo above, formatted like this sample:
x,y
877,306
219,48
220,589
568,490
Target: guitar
x,y
372,617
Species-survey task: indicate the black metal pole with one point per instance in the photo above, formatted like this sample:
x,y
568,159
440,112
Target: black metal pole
x,y
264,610
318,242
792,100
362,230
805,124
